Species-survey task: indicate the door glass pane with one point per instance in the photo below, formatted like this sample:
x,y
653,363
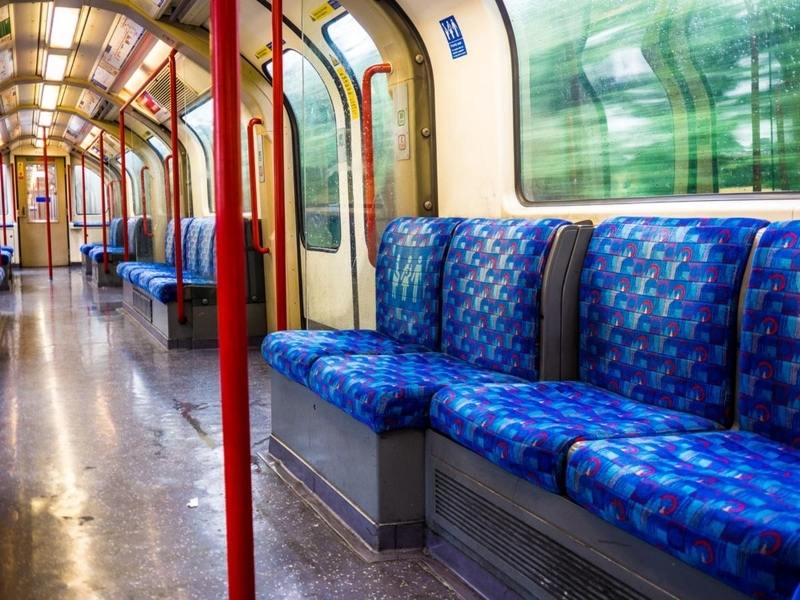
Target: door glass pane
x,y
358,51
656,98
36,194
319,154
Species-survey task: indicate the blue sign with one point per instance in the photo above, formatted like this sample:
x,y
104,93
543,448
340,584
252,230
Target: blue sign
x,y
41,198
455,39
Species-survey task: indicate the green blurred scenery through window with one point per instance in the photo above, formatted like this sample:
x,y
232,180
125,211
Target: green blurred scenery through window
x,y
635,98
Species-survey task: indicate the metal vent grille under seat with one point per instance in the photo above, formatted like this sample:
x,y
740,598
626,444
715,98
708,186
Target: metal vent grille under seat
x,y
143,304
537,557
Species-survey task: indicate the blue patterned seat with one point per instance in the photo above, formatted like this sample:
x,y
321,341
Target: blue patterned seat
x,y
492,281
393,391
408,313
728,502
199,261
528,428
5,257
114,237
9,249
658,302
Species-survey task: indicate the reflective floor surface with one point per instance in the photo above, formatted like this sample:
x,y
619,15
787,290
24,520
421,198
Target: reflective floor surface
x,y
105,438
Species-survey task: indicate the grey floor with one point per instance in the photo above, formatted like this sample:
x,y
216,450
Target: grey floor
x,y
104,439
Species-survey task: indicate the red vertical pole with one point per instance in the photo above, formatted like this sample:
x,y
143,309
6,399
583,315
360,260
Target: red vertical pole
x,y
176,184
103,200
145,227
231,294
83,190
69,195
123,186
167,186
47,206
277,162
3,195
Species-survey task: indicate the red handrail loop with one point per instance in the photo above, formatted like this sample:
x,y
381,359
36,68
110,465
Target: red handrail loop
x,y
103,200
255,225
368,159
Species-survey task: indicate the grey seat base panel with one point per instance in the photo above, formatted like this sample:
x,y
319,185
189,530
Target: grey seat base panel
x,y
508,538
372,482
200,330
102,279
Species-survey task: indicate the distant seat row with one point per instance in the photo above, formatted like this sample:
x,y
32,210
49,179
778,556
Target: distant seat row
x,y
150,290
686,327
6,256
140,247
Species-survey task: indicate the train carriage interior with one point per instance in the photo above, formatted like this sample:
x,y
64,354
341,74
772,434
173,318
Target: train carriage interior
x,y
400,299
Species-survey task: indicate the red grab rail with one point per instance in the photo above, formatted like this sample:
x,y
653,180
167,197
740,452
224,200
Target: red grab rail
x,y
231,294
69,196
255,225
47,205
368,159
83,192
167,186
279,186
3,195
124,182
176,183
145,229
103,200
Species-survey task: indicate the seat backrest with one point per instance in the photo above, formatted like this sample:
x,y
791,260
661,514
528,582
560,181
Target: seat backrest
x,y
769,360
115,232
492,288
169,240
408,279
200,248
658,310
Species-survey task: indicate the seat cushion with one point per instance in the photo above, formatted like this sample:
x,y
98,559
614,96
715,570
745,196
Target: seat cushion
x,y
528,429
96,254
164,287
87,248
293,353
5,257
388,392
9,249
658,306
725,502
408,279
492,291
769,359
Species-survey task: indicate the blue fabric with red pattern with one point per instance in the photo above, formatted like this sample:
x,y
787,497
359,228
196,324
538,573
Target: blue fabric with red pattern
x,y
408,283
527,429
725,502
390,392
769,365
658,306
492,286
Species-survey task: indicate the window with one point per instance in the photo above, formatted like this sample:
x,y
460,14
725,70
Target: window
x,y
133,165
358,51
201,121
93,202
635,99
319,154
9,194
160,147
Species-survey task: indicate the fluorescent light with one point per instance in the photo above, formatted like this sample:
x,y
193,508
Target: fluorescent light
x,y
45,118
56,67
65,22
49,99
38,143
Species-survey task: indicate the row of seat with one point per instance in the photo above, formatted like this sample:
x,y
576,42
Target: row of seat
x,y
158,280
641,438
6,256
